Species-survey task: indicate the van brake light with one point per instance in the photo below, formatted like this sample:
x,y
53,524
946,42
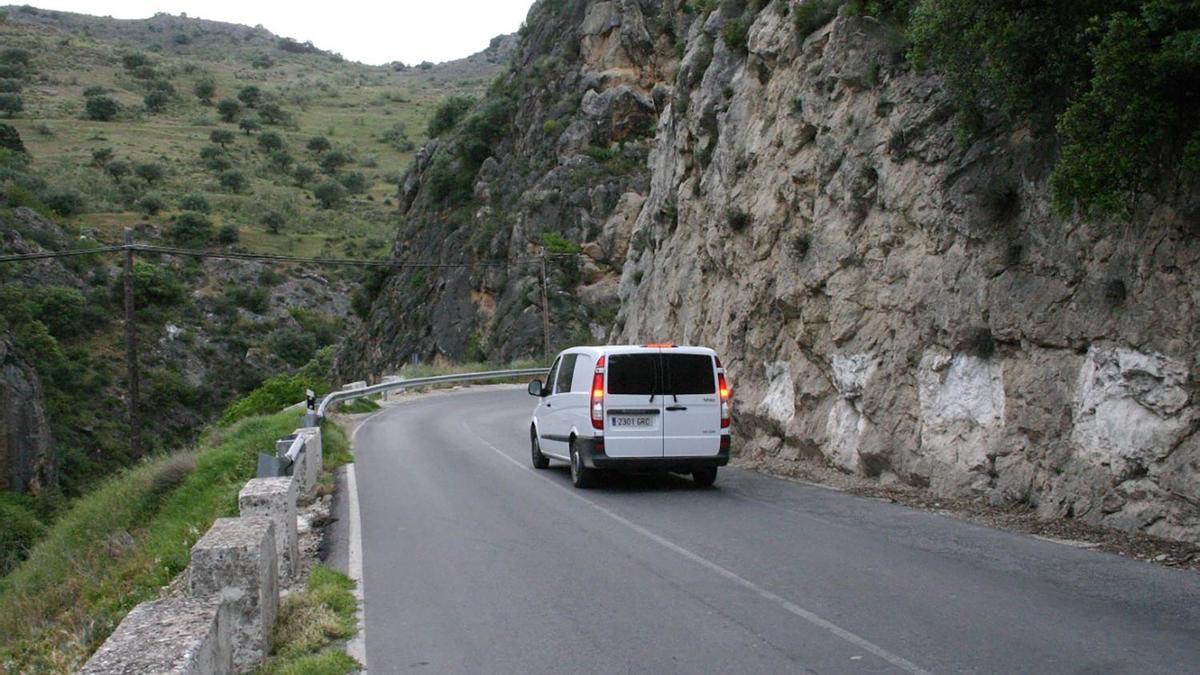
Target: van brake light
x,y
598,395
726,399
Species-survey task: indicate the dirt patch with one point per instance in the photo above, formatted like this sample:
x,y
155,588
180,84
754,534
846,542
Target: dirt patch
x,y
1175,554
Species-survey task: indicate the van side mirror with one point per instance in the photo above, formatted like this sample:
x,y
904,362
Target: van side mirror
x,y
535,388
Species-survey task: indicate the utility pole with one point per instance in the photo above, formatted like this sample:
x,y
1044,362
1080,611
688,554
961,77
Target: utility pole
x,y
131,351
545,311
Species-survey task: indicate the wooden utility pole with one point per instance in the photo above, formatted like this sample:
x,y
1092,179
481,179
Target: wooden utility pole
x,y
131,351
545,310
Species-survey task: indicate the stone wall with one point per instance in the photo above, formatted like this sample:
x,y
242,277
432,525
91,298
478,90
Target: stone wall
x,y
223,625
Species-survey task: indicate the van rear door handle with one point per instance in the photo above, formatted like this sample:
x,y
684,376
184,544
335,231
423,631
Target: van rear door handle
x,y
675,408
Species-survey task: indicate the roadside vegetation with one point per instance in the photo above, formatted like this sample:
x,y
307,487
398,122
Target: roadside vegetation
x,y
311,625
126,540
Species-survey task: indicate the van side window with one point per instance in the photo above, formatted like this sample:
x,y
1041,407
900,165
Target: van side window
x,y
585,367
566,370
689,374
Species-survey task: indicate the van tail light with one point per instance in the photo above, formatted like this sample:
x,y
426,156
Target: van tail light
x,y
726,402
598,395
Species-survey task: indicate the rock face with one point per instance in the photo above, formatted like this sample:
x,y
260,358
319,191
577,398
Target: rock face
x,y
884,297
27,459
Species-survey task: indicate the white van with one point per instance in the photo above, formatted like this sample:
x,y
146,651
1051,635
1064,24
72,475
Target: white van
x,y
633,408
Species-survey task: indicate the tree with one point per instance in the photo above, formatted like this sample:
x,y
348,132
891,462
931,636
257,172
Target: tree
x,y
249,125
10,140
221,137
354,182
11,104
204,90
228,109
272,113
192,230
233,180
156,101
11,86
281,160
330,194
318,145
274,221
149,172
101,108
270,141
117,169
250,96
303,174
334,160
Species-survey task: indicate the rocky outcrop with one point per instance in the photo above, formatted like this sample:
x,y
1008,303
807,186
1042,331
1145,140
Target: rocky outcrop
x,y
27,459
885,298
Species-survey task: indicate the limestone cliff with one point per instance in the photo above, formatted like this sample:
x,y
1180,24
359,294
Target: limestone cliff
x,y
886,299
27,459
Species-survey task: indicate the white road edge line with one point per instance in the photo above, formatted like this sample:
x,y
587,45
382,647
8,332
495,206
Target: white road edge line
x,y
791,607
357,645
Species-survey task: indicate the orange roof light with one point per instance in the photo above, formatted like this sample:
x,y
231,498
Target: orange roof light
x,y
659,345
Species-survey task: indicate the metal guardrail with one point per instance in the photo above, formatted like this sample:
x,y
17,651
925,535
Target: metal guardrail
x,y
343,396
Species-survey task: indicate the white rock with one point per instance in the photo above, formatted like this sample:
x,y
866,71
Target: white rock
x,y
779,403
962,413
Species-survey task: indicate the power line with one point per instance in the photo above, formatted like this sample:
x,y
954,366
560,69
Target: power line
x,y
270,257
17,257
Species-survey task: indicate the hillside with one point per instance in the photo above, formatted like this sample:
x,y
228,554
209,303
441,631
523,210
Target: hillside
x,y
963,264
196,134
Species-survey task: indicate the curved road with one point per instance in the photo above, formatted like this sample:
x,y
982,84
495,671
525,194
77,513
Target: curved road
x,y
474,562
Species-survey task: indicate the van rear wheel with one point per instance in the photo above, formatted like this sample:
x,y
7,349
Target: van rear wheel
x,y
540,461
705,477
581,476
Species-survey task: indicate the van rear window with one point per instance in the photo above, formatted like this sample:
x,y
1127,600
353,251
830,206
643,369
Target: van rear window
x,y
689,374
632,373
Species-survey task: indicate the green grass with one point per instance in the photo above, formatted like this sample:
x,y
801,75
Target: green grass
x,y
353,105
120,544
310,623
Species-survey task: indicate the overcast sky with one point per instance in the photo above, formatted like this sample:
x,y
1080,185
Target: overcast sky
x,y
372,32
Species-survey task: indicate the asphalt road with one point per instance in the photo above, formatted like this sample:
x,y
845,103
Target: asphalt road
x,y
474,562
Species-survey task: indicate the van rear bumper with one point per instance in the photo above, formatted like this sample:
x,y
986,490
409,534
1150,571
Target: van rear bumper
x,y
591,451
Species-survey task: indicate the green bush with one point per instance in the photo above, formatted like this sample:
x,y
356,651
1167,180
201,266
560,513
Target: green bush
x,y
811,15
101,108
22,529
272,396
554,242
270,141
221,137
449,181
11,104
192,230
64,201
233,180
294,346
736,34
448,114
228,234
152,204
228,109
330,194
354,182
156,101
195,201
152,285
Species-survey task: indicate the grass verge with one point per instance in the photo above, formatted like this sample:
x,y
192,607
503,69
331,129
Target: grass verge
x,y
122,543
310,624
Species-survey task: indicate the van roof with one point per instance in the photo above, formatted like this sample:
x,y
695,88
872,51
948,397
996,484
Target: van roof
x,y
599,350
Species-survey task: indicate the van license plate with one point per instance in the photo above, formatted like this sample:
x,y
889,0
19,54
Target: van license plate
x,y
631,422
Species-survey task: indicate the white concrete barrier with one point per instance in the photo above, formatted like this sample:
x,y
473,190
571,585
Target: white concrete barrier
x,y
235,563
175,636
275,498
